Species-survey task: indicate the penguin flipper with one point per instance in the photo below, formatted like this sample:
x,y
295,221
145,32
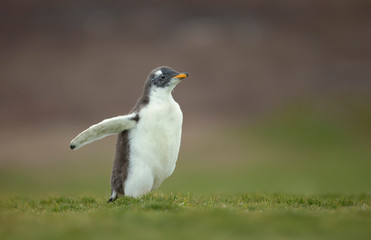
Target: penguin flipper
x,y
103,129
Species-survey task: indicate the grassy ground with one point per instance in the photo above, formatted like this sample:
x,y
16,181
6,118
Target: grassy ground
x,y
301,173
185,216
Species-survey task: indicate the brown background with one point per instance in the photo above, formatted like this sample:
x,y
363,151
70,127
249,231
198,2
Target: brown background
x,y
65,65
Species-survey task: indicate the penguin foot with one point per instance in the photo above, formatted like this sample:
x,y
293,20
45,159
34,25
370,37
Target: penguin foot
x,y
113,197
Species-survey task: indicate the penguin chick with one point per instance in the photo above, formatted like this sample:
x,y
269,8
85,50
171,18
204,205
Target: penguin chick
x,y
148,137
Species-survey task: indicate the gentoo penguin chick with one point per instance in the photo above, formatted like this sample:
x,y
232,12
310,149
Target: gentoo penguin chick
x,y
149,137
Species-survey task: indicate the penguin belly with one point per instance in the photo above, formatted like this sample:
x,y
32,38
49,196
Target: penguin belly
x,y
154,147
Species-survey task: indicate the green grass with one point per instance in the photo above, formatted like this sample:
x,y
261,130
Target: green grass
x,y
185,216
302,173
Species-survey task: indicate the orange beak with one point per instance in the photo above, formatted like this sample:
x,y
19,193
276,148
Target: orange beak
x,y
182,75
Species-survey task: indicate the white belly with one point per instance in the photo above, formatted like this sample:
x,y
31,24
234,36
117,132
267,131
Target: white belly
x,y
154,146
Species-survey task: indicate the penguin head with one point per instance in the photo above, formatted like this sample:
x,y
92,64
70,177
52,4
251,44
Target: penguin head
x,y
164,78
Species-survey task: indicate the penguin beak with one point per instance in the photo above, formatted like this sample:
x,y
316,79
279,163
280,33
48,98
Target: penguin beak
x,y
181,75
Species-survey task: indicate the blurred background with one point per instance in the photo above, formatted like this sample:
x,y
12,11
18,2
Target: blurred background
x,y
278,98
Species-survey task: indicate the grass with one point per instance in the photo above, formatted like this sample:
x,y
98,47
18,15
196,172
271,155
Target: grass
x,y
300,174
184,216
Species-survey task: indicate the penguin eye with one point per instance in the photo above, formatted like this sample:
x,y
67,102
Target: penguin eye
x,y
162,77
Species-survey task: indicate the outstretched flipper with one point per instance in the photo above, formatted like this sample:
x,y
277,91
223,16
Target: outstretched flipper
x,y
103,129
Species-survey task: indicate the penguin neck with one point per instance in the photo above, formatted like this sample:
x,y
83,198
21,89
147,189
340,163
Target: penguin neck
x,y
161,94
